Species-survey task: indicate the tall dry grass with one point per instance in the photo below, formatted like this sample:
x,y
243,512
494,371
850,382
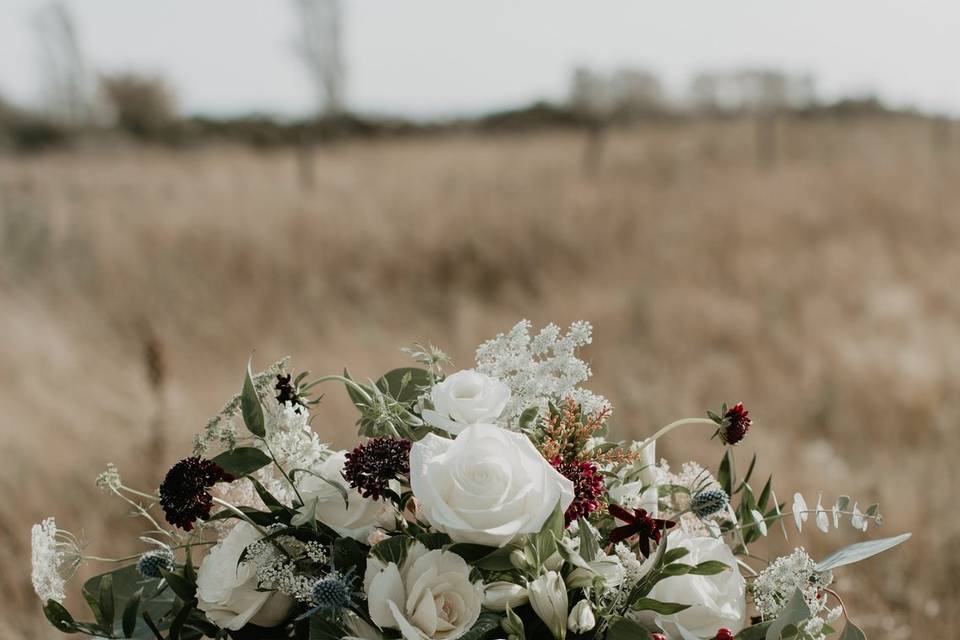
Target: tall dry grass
x,y
822,293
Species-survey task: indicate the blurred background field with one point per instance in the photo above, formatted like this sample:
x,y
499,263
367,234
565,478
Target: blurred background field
x,y
800,257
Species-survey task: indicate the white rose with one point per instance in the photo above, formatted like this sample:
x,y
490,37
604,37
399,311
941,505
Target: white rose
x,y
487,486
228,593
632,495
716,601
429,597
356,518
465,398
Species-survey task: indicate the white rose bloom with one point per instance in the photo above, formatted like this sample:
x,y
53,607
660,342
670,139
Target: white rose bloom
x,y
716,601
429,597
356,518
487,486
227,593
465,398
632,495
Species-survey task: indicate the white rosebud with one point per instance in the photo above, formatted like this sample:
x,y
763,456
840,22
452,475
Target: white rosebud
x,y
497,595
548,597
465,398
581,618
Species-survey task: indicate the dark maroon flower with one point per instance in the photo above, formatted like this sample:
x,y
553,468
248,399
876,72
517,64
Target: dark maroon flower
x,y
287,392
639,523
723,634
734,424
183,492
372,465
588,487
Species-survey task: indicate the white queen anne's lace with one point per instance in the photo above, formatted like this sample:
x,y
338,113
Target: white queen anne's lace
x,y
540,368
51,559
776,584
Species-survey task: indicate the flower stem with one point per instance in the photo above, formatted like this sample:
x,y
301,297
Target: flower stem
x,y
673,425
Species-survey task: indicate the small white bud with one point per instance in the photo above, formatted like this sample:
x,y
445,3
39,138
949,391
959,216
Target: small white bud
x,y
581,618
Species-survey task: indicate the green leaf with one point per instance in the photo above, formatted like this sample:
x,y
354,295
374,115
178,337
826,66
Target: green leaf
x,y
128,584
794,613
405,384
347,553
663,608
624,629
589,541
756,632
765,494
676,569
554,524
513,624
250,406
675,554
392,549
105,598
485,623
527,417
59,617
147,618
852,632
859,551
726,474
184,590
130,611
746,478
497,560
323,629
242,461
709,568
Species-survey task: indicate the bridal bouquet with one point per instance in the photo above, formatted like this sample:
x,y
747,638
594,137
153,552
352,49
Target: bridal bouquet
x,y
490,503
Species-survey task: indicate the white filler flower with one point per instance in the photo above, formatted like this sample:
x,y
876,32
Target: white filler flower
x,y
227,591
716,601
465,398
51,558
487,486
429,596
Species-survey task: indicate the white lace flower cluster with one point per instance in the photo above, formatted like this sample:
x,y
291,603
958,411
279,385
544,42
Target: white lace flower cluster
x,y
55,557
540,368
776,584
277,570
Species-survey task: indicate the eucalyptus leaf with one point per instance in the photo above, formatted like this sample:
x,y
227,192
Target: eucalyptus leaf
x,y
405,384
859,551
794,613
852,632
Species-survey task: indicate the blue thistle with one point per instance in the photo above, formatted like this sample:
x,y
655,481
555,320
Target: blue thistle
x,y
150,563
706,503
332,594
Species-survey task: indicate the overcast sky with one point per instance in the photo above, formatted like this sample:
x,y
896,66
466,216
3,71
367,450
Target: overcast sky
x,y
445,57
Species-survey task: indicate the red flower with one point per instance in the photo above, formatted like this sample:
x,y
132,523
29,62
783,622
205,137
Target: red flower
x,y
588,487
724,634
183,492
734,424
639,523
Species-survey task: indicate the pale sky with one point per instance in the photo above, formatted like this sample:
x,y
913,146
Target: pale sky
x,y
448,57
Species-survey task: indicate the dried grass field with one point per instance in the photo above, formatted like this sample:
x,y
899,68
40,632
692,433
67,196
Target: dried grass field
x,y
822,292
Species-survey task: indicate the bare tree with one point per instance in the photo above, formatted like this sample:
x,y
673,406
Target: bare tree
x,y
69,87
320,47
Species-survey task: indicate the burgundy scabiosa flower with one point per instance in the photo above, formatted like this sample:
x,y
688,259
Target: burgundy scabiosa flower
x,y
732,424
588,487
639,523
288,392
372,465
184,492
